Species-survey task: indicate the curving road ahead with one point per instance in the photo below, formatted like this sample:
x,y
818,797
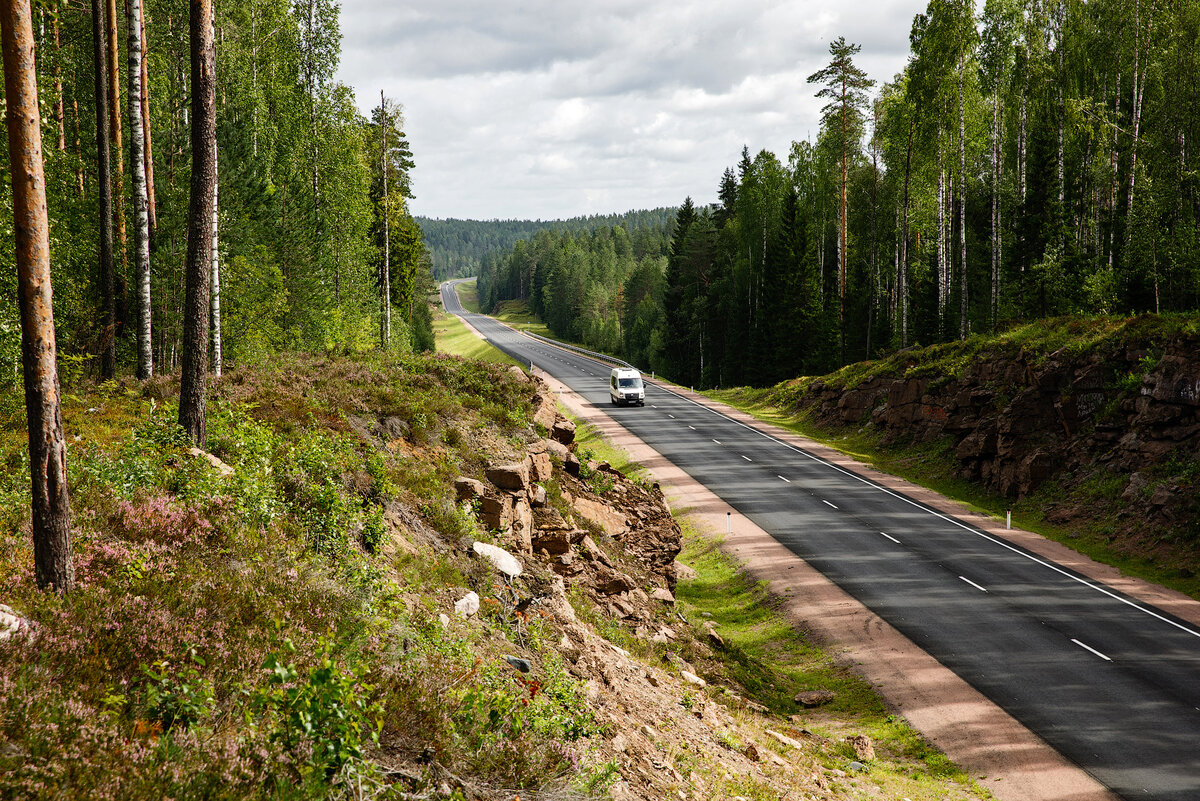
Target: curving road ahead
x,y
1113,684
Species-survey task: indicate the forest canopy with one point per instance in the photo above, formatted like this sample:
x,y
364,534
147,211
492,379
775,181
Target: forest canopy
x,y
301,189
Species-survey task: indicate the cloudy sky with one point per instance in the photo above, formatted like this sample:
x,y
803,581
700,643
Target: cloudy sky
x,y
557,108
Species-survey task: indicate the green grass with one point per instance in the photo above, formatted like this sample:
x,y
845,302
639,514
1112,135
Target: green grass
x,y
453,336
468,295
773,661
517,314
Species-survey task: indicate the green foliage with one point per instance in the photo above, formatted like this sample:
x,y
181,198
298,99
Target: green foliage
x,y
178,696
324,717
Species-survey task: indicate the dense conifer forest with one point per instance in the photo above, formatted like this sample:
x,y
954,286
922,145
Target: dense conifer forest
x,y
1033,159
458,247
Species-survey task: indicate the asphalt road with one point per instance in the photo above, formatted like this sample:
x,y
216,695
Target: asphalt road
x,y
1112,684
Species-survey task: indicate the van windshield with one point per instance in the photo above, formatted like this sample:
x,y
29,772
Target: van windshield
x,y
629,383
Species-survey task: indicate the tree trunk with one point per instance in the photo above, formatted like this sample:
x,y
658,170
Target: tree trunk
x,y
114,121
60,117
997,227
53,565
385,274
902,280
962,204
215,294
148,150
1139,82
137,168
942,288
193,385
108,344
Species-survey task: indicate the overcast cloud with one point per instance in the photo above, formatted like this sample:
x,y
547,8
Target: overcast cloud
x,y
557,108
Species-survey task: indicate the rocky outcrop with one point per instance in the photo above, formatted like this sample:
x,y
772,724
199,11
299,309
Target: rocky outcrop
x,y
1015,422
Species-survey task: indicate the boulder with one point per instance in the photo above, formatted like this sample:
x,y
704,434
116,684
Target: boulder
x,y
10,622
537,496
814,698
468,489
513,476
683,572
692,678
563,431
863,749
501,559
468,605
664,595
557,450
553,541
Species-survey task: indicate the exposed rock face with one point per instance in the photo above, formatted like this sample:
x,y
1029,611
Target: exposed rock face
x,y
1017,422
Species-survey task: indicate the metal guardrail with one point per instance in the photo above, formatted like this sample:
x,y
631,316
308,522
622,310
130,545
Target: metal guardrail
x,y
602,357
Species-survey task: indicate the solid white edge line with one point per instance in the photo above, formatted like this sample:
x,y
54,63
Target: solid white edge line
x,y
973,584
918,505
890,537
1087,647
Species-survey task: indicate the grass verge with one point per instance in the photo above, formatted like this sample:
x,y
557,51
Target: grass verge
x,y
452,336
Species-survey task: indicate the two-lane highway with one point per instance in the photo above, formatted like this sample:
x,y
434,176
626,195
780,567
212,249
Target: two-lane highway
x,y
1111,683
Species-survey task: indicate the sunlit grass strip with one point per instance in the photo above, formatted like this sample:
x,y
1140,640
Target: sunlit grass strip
x,y
453,337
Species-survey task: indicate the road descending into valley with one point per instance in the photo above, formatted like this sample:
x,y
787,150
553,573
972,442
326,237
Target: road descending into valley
x,y
1112,683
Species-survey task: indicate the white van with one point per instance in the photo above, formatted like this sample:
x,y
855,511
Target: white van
x,y
625,387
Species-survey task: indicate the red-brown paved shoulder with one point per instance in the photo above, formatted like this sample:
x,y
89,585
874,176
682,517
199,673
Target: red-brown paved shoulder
x,y
1004,756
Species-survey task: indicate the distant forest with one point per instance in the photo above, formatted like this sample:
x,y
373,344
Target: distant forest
x,y
457,247
1033,159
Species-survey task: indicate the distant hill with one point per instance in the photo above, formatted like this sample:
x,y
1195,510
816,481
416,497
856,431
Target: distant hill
x,y
456,247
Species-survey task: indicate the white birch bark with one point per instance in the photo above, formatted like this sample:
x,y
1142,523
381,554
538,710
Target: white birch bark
x,y
141,202
215,292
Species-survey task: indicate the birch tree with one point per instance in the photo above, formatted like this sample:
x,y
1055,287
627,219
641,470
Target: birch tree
x,y
141,202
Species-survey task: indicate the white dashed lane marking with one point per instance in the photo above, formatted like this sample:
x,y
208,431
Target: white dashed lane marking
x,y
973,584
890,537
781,478
1090,648
827,503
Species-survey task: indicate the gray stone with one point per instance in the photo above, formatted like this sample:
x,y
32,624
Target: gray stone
x,y
467,605
692,678
10,622
503,561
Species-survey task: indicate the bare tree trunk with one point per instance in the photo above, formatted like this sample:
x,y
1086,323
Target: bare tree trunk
x,y
193,386
902,280
385,276
137,168
114,121
148,150
78,145
942,274
51,508
215,295
108,346
997,163
60,117
962,203
1139,84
